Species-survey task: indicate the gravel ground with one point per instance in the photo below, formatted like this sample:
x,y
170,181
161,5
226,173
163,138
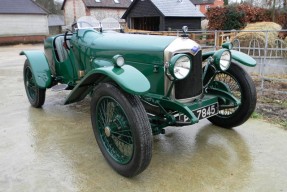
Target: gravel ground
x,y
272,106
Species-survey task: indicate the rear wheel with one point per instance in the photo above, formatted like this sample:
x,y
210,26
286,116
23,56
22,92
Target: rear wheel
x,y
35,94
122,129
240,84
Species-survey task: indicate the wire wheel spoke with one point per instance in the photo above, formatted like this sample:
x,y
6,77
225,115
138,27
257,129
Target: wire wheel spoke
x,y
234,89
30,84
114,130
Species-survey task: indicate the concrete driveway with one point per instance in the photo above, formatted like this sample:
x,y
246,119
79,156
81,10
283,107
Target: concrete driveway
x,y
53,148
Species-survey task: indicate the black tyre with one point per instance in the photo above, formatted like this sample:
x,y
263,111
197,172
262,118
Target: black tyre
x,y
35,94
240,84
122,129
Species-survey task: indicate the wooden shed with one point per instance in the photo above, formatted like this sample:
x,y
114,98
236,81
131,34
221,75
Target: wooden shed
x,y
22,21
162,15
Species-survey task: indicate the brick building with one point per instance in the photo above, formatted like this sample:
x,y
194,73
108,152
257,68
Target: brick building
x,y
204,5
100,9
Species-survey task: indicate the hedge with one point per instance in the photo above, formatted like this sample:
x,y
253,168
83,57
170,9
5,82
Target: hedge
x,y
237,16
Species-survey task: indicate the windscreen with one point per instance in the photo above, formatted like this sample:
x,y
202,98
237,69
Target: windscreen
x,y
88,22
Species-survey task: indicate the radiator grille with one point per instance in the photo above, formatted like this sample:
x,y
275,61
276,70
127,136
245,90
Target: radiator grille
x,y
191,86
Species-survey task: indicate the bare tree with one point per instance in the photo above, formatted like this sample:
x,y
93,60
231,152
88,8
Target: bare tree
x,y
50,5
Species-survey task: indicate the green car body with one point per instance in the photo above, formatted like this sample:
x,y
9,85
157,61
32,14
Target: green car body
x,y
86,58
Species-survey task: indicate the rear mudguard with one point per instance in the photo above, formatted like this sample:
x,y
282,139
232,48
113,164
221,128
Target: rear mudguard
x,y
237,57
127,77
40,68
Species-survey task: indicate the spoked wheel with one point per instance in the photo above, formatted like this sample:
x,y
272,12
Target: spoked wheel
x,y
35,94
122,129
240,84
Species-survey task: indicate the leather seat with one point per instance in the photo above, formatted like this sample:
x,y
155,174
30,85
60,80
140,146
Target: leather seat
x,y
61,50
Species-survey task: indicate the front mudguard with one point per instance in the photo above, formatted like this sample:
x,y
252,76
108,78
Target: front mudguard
x,y
242,58
127,77
237,57
40,68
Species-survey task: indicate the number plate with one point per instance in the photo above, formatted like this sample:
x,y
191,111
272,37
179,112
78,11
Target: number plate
x,y
207,111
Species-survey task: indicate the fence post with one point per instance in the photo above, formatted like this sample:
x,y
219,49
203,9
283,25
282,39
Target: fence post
x,y
215,40
264,62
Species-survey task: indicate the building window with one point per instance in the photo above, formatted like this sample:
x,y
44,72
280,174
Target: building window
x,y
116,1
207,7
98,1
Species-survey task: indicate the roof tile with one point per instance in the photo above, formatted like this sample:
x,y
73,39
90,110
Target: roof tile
x,y
20,7
56,20
202,2
177,8
108,4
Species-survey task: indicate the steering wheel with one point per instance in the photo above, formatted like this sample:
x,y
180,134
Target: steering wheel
x,y
66,39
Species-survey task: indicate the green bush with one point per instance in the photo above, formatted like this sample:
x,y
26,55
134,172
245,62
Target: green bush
x,y
236,16
233,19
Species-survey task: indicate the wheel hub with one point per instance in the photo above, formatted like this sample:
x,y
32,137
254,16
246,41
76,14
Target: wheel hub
x,y
107,131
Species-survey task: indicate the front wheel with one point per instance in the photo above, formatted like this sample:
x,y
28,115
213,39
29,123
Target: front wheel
x,y
35,94
122,129
240,84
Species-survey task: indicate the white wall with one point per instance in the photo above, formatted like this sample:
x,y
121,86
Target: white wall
x,y
18,25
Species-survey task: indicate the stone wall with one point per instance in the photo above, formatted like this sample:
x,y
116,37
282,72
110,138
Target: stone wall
x,y
71,14
102,13
80,10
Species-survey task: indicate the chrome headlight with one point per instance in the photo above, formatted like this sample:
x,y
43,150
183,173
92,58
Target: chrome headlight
x,y
118,60
180,66
222,59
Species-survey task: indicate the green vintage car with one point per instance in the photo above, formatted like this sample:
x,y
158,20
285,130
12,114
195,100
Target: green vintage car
x,y
139,85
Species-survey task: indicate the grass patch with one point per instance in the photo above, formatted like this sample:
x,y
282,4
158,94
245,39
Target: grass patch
x,y
283,123
278,121
256,115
